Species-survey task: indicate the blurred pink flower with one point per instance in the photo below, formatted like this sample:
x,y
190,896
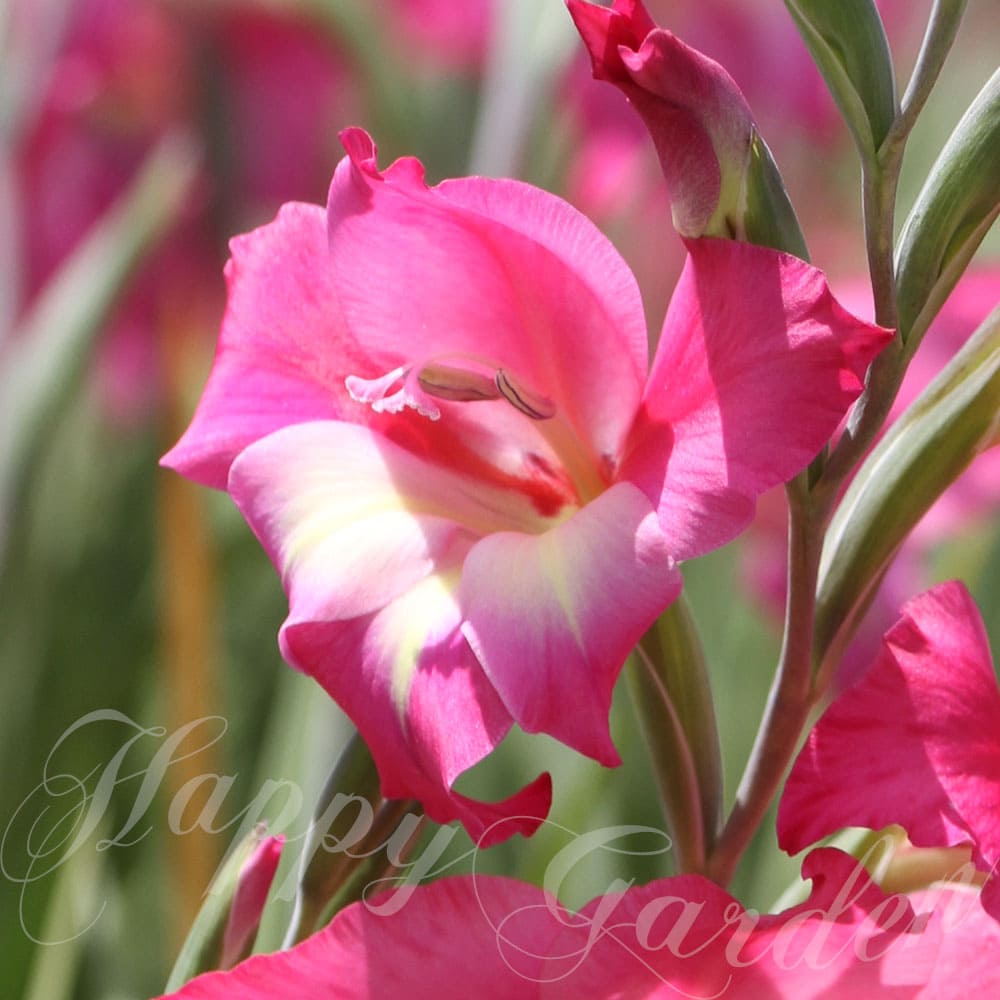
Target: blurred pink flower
x,y
497,938
432,406
128,72
453,35
283,91
914,743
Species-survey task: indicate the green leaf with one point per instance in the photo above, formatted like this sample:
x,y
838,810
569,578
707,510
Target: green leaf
x,y
954,211
47,354
847,41
954,419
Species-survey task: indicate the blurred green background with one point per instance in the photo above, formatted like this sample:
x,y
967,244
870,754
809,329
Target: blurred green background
x,y
137,613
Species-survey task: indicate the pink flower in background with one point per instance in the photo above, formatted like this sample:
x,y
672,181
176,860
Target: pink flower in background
x,y
497,938
433,407
914,743
453,35
127,73
277,144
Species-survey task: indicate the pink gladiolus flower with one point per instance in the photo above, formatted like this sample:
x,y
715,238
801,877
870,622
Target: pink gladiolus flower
x,y
432,406
915,743
699,121
497,938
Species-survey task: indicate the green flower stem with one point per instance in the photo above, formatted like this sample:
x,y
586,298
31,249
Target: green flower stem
x,y
671,758
674,646
356,838
954,419
351,795
942,26
389,844
880,181
792,694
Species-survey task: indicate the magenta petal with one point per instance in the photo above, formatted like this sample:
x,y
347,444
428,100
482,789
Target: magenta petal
x,y
496,938
494,269
916,742
552,617
755,368
280,355
483,937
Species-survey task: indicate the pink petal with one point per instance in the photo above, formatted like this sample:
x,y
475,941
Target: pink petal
x,y
282,350
493,269
352,520
959,949
422,705
369,540
552,617
915,743
756,366
497,938
481,937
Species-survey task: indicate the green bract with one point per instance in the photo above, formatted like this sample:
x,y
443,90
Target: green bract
x,y
848,43
954,211
768,218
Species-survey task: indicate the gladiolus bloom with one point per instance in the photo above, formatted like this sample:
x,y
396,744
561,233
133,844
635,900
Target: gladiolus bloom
x,y
914,743
497,938
432,405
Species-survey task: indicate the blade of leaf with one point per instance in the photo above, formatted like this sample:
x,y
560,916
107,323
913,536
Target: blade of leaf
x,y
46,355
955,209
847,41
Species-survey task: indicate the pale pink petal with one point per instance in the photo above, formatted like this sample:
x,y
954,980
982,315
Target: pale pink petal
x,y
493,270
352,520
916,742
369,540
958,952
283,349
552,617
755,368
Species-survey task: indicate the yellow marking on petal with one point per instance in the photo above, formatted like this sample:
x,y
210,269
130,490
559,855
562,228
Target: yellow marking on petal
x,y
552,557
418,613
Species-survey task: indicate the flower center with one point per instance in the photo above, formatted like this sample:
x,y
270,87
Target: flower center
x,y
469,379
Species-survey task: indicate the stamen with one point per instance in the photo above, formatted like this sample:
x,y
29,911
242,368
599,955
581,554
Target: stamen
x,y
457,384
523,399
